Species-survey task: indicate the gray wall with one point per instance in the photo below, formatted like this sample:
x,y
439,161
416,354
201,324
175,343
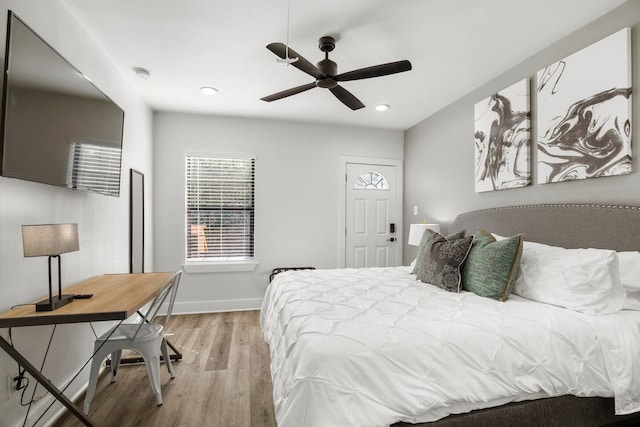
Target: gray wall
x,y
298,183
439,151
103,222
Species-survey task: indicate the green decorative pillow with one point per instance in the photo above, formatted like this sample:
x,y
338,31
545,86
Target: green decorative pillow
x,y
492,266
424,242
442,261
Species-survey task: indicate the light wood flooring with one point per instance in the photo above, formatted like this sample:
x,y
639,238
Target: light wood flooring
x,y
222,380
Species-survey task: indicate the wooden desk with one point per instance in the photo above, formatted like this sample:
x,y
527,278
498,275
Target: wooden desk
x,y
115,297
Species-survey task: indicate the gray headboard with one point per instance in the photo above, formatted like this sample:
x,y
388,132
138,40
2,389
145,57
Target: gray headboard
x,y
567,225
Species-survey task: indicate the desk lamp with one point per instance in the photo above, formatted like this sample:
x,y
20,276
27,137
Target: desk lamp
x,y
50,240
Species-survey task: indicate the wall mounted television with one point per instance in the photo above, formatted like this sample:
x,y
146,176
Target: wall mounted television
x,y
56,126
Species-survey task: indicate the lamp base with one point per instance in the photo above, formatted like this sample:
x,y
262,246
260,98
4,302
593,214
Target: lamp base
x,y
55,303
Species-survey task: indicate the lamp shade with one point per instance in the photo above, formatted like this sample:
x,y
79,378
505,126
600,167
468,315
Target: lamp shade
x,y
417,230
49,239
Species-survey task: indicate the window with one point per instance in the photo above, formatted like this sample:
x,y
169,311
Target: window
x,y
371,181
220,208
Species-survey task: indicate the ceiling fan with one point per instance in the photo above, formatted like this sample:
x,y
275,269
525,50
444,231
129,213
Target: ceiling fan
x,y
326,72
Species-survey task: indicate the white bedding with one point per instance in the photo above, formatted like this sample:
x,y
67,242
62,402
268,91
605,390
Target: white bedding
x,y
370,347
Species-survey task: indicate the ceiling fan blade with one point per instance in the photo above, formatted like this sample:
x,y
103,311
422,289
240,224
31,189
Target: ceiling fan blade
x,y
375,71
289,92
280,49
346,97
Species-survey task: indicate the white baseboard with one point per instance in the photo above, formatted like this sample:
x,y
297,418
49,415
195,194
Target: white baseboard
x,y
195,307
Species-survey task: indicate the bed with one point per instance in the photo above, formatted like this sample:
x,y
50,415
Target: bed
x,y
373,347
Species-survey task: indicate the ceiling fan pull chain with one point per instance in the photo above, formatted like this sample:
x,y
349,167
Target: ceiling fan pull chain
x,y
288,19
286,58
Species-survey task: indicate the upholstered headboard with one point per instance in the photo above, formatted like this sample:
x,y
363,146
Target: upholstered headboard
x,y
567,225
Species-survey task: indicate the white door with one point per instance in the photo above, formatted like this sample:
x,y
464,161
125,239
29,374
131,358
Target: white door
x,y
370,216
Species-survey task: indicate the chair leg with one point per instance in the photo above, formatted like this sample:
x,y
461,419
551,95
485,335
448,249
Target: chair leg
x,y
153,370
93,381
167,358
115,362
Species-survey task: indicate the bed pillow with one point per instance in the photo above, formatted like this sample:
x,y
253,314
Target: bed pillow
x,y
583,280
629,264
442,262
492,266
632,301
426,238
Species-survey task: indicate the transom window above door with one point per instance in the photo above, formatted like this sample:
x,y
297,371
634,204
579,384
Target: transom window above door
x,y
371,181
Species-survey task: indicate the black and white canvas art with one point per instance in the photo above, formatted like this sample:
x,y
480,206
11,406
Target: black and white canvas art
x,y
584,112
503,139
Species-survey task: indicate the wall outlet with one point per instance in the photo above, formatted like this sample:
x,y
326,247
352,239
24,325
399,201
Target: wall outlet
x,y
27,384
12,384
15,389
10,388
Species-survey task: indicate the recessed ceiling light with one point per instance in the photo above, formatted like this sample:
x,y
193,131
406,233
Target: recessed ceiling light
x,y
142,73
208,90
382,107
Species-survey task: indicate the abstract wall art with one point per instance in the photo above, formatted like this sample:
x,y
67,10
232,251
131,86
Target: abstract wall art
x,y
584,112
503,139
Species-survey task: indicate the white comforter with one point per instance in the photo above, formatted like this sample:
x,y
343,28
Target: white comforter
x,y
370,347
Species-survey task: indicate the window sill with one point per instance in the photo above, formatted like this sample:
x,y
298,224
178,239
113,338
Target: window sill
x,y
219,267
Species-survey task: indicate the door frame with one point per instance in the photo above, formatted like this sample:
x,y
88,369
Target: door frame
x,y
342,226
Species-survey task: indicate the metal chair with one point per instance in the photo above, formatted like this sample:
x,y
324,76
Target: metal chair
x,y
146,337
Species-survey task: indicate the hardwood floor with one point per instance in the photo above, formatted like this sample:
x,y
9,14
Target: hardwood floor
x,y
222,380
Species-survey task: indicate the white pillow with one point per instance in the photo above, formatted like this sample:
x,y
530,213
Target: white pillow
x,y
584,280
629,263
632,301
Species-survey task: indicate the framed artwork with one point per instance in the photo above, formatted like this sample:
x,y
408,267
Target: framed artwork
x,y
584,112
503,139
136,222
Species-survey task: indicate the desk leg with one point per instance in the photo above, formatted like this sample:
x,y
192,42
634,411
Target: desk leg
x,y
44,381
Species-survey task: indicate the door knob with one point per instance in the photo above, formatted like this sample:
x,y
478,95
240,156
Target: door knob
x,y
392,239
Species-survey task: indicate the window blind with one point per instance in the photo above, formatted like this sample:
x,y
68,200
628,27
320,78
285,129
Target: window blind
x,y
220,208
94,168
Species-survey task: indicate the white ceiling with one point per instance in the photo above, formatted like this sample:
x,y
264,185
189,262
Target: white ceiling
x,y
455,46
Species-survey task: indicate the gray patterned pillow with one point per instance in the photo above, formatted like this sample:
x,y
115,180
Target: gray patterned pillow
x,y
442,261
424,242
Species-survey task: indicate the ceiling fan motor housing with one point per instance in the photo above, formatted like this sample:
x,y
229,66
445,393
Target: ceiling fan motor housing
x,y
328,67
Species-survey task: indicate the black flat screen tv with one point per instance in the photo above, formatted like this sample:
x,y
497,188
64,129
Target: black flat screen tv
x,y
56,127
